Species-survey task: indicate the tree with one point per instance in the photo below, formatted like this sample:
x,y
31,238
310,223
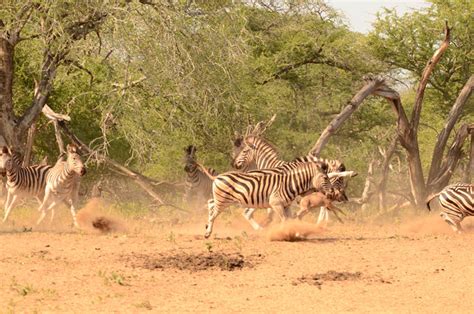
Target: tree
x,y
57,29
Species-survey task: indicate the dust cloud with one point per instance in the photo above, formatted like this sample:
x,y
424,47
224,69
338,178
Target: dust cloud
x,y
93,217
293,230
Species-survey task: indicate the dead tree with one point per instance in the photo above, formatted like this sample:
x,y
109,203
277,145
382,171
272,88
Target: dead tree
x,y
407,129
382,185
364,200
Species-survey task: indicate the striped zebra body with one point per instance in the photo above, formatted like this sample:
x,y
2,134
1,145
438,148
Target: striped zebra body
x,y
21,181
62,184
273,188
457,201
198,185
256,149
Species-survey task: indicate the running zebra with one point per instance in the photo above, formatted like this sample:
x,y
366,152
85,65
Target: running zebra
x,y
264,155
272,188
21,181
62,184
457,201
198,186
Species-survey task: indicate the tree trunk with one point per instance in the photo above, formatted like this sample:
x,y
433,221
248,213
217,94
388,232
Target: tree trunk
x,y
29,145
443,136
59,139
470,163
7,118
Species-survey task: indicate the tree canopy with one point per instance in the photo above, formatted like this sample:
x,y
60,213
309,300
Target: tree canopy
x,y
144,79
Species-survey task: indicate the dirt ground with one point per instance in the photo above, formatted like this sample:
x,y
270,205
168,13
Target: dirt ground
x,y
413,266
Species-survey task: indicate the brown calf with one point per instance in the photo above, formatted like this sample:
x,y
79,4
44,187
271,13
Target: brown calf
x,y
317,199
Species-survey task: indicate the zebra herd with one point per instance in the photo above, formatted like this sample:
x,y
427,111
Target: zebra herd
x,y
261,179
50,185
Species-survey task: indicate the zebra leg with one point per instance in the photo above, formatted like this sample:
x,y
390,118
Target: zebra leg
x,y
279,209
326,215
214,211
11,199
302,212
248,214
45,206
73,213
287,212
321,215
454,224
269,218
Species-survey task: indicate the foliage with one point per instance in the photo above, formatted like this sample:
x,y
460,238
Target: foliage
x,y
160,75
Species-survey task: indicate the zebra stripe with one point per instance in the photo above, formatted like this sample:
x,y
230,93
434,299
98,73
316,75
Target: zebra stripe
x,y
21,181
275,188
457,203
197,185
62,184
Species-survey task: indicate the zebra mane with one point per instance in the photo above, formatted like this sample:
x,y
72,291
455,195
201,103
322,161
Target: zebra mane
x,y
265,142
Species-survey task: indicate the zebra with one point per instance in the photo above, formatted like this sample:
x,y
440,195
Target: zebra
x,y
62,184
198,186
21,181
275,188
457,201
257,149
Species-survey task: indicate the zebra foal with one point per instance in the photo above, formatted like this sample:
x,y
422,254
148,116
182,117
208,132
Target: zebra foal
x,y
21,181
275,188
457,201
62,184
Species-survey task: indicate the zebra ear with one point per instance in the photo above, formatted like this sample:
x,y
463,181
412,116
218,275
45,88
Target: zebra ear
x,y
237,142
4,150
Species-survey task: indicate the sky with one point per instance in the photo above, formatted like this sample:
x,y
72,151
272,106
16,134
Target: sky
x,y
361,13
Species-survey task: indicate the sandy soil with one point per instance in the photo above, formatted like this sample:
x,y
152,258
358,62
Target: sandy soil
x,y
418,266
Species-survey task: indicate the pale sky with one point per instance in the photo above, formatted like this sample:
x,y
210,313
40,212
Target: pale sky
x,y
361,13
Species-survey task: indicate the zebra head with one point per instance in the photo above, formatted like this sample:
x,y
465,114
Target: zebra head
x,y
244,154
190,159
322,183
74,161
9,160
5,160
339,183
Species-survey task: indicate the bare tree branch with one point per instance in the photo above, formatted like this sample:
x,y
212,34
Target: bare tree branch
x,y
443,136
452,158
369,88
318,58
420,92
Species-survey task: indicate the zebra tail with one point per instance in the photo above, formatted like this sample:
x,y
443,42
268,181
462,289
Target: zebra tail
x,y
204,170
429,199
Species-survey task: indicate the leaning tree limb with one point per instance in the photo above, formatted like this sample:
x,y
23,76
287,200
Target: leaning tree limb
x,y
371,85
470,162
453,117
144,182
452,157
